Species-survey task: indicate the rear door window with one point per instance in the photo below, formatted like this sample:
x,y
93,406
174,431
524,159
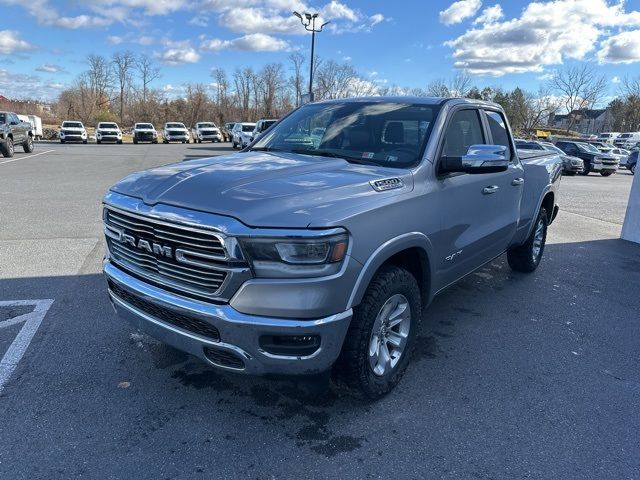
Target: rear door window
x,y
499,131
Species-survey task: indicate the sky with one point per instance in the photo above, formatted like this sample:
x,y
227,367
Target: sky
x,y
409,43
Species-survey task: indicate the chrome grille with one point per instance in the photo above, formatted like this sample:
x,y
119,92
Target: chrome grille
x,y
201,275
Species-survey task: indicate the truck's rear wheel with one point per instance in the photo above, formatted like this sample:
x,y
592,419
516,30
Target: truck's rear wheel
x,y
380,339
7,148
527,257
28,146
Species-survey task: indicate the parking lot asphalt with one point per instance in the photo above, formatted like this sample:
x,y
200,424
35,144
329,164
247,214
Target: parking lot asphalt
x,y
515,376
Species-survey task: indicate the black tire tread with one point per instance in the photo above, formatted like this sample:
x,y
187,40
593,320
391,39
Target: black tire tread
x,y
350,373
519,258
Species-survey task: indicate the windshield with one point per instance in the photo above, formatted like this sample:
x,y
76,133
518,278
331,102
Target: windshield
x,y
267,124
144,126
379,133
586,147
206,125
524,145
248,127
175,125
552,148
107,125
72,124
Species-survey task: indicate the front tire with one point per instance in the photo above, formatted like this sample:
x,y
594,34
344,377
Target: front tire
x,y
84,142
527,256
380,339
570,174
633,169
28,145
606,174
7,148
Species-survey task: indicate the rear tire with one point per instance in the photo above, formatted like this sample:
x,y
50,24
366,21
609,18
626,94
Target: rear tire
x,y
7,148
84,142
606,174
527,256
135,140
376,351
570,174
586,171
633,169
28,145
98,142
61,141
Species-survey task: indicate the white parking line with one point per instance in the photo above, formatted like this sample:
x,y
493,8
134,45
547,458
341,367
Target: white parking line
x,y
24,158
32,321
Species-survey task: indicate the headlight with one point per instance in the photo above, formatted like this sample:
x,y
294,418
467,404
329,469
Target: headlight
x,y
295,257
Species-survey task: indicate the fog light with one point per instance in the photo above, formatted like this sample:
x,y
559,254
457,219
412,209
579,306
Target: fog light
x,y
290,345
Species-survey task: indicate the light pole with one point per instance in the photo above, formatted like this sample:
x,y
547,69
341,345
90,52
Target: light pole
x,y
308,21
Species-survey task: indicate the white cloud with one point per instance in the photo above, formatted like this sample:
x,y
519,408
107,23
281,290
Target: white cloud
x,y
50,68
178,53
143,40
11,43
335,10
621,48
199,21
20,86
541,37
148,7
616,79
459,11
376,19
255,42
490,15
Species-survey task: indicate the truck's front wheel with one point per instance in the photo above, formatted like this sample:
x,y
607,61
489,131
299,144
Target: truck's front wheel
x,y
380,339
7,148
527,256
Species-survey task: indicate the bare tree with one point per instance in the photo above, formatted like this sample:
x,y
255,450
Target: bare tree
x,y
123,63
297,78
438,88
334,79
580,88
460,85
147,72
242,80
273,83
221,89
99,79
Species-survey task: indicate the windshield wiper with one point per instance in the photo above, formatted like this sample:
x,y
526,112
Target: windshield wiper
x,y
265,149
327,153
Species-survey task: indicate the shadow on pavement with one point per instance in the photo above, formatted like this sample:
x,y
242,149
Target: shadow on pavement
x,y
496,353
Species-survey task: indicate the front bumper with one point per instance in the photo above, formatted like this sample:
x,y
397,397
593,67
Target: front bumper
x,y
73,137
109,138
210,136
239,333
175,138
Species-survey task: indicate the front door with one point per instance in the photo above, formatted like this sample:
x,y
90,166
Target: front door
x,y
479,211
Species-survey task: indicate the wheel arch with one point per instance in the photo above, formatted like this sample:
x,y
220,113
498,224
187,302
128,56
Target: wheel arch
x,y
411,251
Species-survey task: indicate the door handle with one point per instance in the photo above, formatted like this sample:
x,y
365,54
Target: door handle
x,y
517,181
490,189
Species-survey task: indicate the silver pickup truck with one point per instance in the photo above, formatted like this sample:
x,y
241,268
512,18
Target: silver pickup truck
x,y
320,244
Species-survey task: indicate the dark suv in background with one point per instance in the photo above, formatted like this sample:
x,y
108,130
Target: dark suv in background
x,y
633,161
14,131
594,160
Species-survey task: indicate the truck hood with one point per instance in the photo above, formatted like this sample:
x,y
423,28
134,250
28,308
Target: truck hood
x,y
279,190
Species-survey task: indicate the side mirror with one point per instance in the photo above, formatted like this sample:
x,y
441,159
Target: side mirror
x,y
479,159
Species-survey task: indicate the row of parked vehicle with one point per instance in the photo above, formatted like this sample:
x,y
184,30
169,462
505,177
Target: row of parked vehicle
x,y
240,134
628,140
585,157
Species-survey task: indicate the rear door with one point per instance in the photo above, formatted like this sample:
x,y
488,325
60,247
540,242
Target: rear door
x,y
18,127
479,211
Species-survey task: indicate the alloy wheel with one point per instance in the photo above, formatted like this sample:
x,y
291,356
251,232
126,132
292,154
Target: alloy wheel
x,y
389,335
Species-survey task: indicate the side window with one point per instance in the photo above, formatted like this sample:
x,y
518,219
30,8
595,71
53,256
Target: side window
x,y
464,130
14,118
499,133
